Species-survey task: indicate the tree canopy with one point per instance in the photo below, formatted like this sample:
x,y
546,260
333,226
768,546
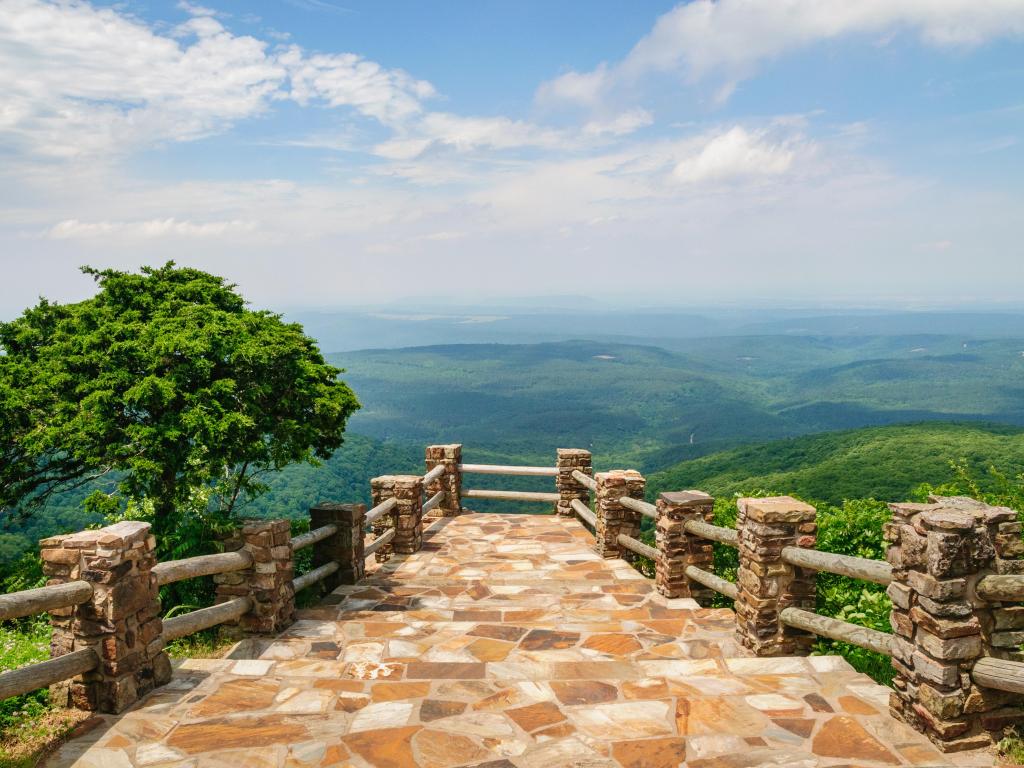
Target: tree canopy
x,y
166,382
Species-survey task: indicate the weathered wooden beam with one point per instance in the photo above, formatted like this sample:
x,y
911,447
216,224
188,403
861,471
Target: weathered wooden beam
x,y
435,474
845,565
1008,588
312,537
1001,674
204,618
312,577
636,546
872,639
727,536
500,469
35,676
379,542
386,506
433,501
28,602
584,512
584,479
470,493
203,565
711,581
637,505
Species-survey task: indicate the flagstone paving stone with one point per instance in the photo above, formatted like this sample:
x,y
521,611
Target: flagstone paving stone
x,y
505,643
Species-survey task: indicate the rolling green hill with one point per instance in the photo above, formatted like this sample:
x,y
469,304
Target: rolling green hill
x,y
881,462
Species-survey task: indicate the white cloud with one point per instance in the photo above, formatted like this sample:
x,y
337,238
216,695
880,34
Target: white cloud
x,y
620,125
735,154
73,229
729,38
463,134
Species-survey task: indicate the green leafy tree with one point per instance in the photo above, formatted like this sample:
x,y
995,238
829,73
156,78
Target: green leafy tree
x,y
166,382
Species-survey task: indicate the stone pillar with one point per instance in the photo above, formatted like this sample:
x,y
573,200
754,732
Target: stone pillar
x,y
406,519
268,582
570,488
345,547
939,551
612,518
766,584
678,549
451,483
121,621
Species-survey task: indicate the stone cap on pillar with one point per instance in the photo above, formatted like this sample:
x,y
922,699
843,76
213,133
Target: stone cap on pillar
x,y
686,498
573,452
953,512
123,534
776,509
343,510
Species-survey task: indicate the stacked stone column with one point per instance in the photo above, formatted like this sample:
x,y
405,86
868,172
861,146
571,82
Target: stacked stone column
x,y
766,584
451,482
939,552
569,488
268,582
614,519
345,547
677,549
121,621
406,518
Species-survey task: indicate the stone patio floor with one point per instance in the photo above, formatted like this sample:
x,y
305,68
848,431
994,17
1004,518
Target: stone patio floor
x,y
505,642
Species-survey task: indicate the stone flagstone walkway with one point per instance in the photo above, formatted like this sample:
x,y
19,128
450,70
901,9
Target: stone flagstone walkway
x,y
505,643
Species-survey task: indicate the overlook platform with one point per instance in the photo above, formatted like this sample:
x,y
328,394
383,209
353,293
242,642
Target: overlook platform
x,y
506,641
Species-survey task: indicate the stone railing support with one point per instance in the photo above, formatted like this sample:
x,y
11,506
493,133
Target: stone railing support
x,y
407,517
766,584
613,519
677,549
345,547
451,482
268,582
570,488
121,621
939,551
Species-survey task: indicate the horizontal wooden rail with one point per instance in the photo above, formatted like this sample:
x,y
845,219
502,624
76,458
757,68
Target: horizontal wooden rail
x,y
584,512
637,505
711,581
999,588
196,621
435,474
844,565
28,602
727,536
35,676
381,509
1001,674
636,546
510,495
499,469
312,577
872,639
312,537
433,501
202,565
379,542
584,479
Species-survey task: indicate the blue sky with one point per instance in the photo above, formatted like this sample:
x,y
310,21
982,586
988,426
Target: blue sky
x,y
749,152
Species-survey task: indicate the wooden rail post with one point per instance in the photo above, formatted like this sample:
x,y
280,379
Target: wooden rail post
x,y
268,582
677,549
121,621
406,519
614,519
451,482
345,547
939,551
570,488
766,583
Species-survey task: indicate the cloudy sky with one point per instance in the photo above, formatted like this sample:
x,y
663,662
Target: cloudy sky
x,y
339,153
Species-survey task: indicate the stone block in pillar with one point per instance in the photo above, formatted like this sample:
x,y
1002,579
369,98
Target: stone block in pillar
x,y
451,482
766,584
570,488
268,582
677,549
939,551
613,519
121,621
406,518
345,547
